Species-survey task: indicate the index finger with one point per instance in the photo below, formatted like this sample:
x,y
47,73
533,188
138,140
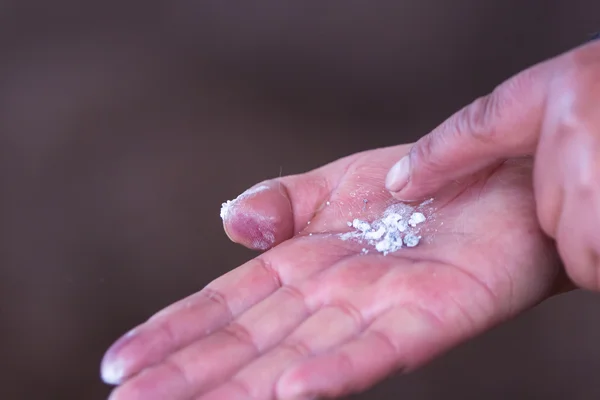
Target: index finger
x,y
503,124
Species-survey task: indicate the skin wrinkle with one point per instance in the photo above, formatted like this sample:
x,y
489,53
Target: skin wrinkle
x,y
214,296
350,310
383,337
219,298
241,334
324,182
362,323
266,265
178,371
443,263
485,179
347,309
171,336
296,346
509,277
463,312
295,293
346,365
239,331
347,169
284,192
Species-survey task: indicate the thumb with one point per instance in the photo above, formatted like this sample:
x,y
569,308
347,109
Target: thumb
x,y
500,125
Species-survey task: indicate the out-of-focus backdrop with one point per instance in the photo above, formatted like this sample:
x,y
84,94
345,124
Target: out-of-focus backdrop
x,y
124,125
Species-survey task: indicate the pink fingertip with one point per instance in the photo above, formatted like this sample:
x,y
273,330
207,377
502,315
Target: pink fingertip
x,y
113,367
290,386
252,224
113,371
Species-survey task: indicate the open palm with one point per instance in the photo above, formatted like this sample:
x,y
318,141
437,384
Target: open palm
x,y
314,317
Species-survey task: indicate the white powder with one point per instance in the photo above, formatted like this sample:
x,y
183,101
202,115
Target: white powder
x,y
398,227
226,207
416,219
411,240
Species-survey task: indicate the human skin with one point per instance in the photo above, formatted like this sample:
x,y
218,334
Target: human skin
x,y
550,112
313,317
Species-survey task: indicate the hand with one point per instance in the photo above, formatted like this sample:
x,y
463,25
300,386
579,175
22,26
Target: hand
x,y
313,316
550,111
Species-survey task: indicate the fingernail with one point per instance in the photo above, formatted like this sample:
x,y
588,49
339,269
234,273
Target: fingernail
x,y
112,372
397,177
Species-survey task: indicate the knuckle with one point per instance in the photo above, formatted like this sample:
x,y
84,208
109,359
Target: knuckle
x,y
241,334
297,347
178,370
424,154
478,119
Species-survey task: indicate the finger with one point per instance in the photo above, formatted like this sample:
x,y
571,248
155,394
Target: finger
x,y
506,123
207,362
187,320
401,339
327,328
212,308
273,211
202,364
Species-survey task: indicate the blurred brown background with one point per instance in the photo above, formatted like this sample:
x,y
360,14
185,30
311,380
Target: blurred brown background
x,y
123,126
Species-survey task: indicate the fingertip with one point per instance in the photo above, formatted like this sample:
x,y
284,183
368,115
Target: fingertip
x,y
113,368
259,218
112,372
291,385
121,360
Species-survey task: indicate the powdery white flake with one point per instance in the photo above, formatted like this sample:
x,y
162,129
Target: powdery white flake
x,y
375,235
113,372
226,207
416,218
362,226
411,240
395,221
396,228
